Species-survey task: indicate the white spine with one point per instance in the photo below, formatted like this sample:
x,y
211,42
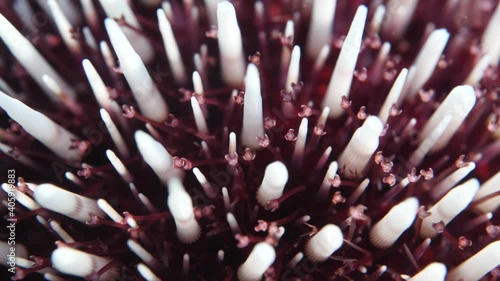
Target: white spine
x,y
116,9
145,92
171,48
393,96
22,198
119,166
477,72
98,87
275,179
285,50
321,27
31,59
64,27
434,271
340,82
146,273
330,174
293,70
458,104
199,118
398,17
156,156
23,159
429,142
378,17
300,144
426,61
230,45
322,245
61,232
72,205
110,211
358,153
77,263
142,253
197,83
90,13
89,38
490,42
478,265
259,260
181,207
211,8
55,137
253,120
451,180
489,187
446,209
387,231
114,133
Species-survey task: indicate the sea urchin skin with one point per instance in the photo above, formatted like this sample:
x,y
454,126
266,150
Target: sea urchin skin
x,y
317,140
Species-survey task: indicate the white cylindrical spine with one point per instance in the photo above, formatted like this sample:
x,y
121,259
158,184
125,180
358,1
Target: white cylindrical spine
x,y
72,205
199,118
477,72
142,253
428,143
489,42
146,273
259,260
97,85
55,137
147,95
233,223
451,180
393,96
426,61
275,179
156,156
300,143
21,198
341,79
324,189
171,48
491,186
211,10
114,133
321,27
181,207
31,59
77,263
23,159
110,211
478,265
116,9
398,17
385,232
89,38
64,27
377,19
61,232
458,104
285,49
324,243
230,45
293,70
446,209
358,152
119,166
253,120
434,271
